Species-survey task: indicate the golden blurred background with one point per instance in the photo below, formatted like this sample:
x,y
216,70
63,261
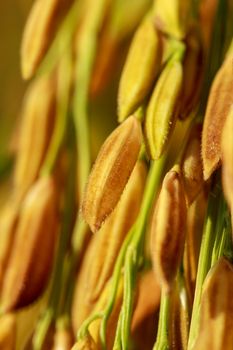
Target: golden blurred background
x,y
13,14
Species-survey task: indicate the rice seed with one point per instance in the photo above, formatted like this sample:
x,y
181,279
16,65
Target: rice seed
x,y
8,332
111,172
8,219
191,164
193,73
148,299
172,17
140,69
162,110
218,107
63,339
38,116
86,343
113,43
227,158
195,221
178,319
216,309
41,27
31,258
110,237
168,229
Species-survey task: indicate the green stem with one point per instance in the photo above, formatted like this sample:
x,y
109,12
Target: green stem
x,y
223,240
204,262
83,331
152,185
114,286
220,232
86,52
79,236
162,342
129,283
117,341
228,247
42,329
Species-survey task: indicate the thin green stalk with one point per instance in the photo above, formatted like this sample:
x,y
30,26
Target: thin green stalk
x,y
42,329
129,283
223,240
114,286
204,262
220,233
86,52
113,291
79,236
137,246
152,185
117,341
220,237
83,331
228,247
162,341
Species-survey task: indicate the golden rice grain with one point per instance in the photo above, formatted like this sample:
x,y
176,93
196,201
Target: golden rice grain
x,y
31,258
38,116
111,172
218,106
162,110
8,332
140,69
168,229
110,237
191,164
216,309
40,30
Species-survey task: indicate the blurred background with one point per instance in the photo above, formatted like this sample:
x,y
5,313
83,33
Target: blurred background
x,y
13,14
